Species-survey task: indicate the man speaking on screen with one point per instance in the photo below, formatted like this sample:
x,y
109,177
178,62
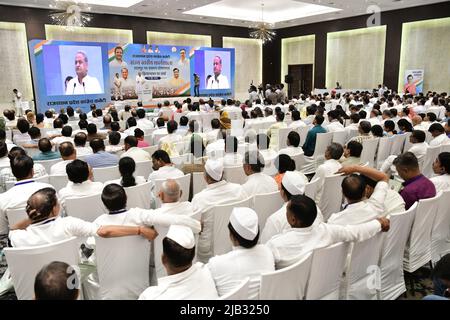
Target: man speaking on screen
x,y
219,81
83,83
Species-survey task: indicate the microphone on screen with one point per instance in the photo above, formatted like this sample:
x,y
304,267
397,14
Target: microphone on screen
x,y
84,87
74,86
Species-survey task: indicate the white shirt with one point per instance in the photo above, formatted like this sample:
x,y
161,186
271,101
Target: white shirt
x,y
196,283
16,198
297,124
83,151
21,138
328,168
137,154
393,203
59,140
211,136
232,160
144,124
291,151
363,211
59,168
76,190
171,138
293,244
229,269
439,140
335,126
166,172
259,183
138,180
89,85
419,150
441,182
218,193
220,83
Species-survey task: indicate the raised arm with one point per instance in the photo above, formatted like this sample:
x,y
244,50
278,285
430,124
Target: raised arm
x,y
369,172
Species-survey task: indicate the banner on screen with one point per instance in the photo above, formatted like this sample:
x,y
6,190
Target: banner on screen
x,y
413,83
81,73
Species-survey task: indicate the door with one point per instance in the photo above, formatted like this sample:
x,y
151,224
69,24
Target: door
x,y
302,79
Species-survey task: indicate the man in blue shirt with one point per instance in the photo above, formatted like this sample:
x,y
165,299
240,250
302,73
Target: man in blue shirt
x,y
310,142
100,158
45,146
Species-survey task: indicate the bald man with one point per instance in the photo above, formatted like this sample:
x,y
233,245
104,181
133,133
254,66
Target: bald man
x,y
170,196
417,123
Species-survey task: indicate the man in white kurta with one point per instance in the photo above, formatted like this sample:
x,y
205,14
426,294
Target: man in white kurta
x,y
441,167
83,83
217,192
257,182
132,150
68,154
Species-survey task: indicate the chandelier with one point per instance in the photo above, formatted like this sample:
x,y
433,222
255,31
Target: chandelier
x,y
71,14
263,31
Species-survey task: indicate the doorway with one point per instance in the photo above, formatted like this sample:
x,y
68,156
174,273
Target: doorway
x,y
302,79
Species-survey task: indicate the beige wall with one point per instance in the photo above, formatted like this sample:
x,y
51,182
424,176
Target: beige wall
x,y
88,34
15,64
426,45
297,50
248,62
355,58
178,39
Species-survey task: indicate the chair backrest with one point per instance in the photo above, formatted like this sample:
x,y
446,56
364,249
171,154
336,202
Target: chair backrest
x,y
408,143
221,217
288,283
123,266
445,147
235,175
198,182
58,181
429,137
238,293
391,256
441,227
15,216
365,254
150,149
139,196
418,248
106,173
44,179
158,136
184,182
324,282
322,142
331,199
397,142
48,163
384,148
369,151
351,133
149,139
265,204
303,132
282,137
143,168
299,160
340,137
25,263
179,161
311,188
430,156
86,208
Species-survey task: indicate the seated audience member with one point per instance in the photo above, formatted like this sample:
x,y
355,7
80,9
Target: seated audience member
x,y
257,182
131,126
185,280
80,182
377,131
4,159
293,145
364,132
217,192
247,259
139,134
183,127
389,128
283,163
114,143
274,130
441,167
167,142
127,167
68,154
404,126
22,137
80,144
296,120
416,185
100,158
143,123
331,165
35,135
45,146
163,167
93,134
115,127
17,196
353,126
231,158
82,124
51,282
310,143
439,136
334,125
304,237
66,134
441,280
133,151
352,154
212,135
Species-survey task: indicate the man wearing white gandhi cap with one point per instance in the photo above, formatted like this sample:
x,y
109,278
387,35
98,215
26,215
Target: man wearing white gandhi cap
x,y
217,192
247,259
185,281
293,183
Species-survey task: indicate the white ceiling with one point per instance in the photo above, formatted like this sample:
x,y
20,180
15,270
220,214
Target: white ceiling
x,y
174,9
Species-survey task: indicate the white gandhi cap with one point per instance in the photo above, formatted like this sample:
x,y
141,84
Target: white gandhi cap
x,y
245,222
181,235
214,168
294,182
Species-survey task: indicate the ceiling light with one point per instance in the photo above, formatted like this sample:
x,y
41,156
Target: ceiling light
x,y
112,3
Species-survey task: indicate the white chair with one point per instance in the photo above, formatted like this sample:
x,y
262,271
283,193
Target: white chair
x,y
369,151
238,293
48,163
282,137
266,204
391,257
408,143
303,132
397,142
58,181
428,137
139,196
157,136
445,147
44,179
311,188
198,182
235,175
86,208
340,137
384,148
322,142
352,133
15,216
25,263
106,173
123,266
441,228
359,282
143,168
150,149
181,160
418,247
324,281
430,156
288,283
299,160
331,199
160,270
149,139
184,182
